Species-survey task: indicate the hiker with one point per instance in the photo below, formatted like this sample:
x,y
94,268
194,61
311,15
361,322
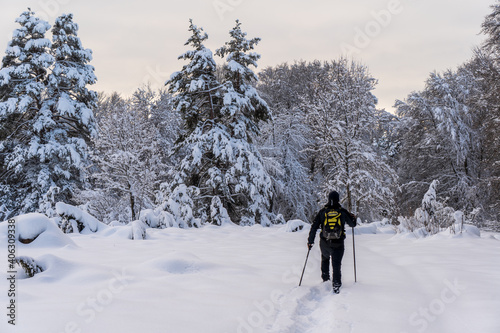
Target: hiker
x,y
331,219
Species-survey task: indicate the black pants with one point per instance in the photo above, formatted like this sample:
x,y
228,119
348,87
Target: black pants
x,y
334,250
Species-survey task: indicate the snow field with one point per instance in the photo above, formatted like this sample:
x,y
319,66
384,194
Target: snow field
x,y
403,286
245,279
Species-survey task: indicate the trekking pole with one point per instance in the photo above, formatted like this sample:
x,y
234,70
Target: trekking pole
x,y
354,255
303,270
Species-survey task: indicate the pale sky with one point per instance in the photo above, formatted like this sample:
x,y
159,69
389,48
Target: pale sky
x,y
401,41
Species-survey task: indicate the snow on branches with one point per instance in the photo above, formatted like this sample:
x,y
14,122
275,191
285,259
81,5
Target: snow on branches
x,y
220,169
46,117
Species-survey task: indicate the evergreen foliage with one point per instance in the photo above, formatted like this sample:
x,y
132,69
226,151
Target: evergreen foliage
x,y
45,115
221,170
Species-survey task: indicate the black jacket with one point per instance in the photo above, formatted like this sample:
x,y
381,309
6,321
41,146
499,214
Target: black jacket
x,y
319,221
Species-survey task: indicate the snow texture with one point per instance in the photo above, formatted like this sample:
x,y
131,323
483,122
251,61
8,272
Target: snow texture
x,y
247,282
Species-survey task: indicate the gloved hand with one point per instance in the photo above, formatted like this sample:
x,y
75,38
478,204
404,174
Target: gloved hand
x,y
354,218
309,246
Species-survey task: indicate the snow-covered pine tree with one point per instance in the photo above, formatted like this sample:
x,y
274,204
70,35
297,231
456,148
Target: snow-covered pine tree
x,y
221,171
242,103
194,88
22,89
242,109
65,123
195,97
341,113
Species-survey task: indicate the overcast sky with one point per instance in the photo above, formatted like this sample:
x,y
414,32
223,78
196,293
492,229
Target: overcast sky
x,y
401,41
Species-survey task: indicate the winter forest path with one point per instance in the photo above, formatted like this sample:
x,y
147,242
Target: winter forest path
x,y
403,286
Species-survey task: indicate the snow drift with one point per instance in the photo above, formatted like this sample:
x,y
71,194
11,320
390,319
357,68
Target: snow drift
x,y
36,230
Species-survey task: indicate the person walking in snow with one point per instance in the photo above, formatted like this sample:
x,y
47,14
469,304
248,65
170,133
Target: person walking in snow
x,y
332,220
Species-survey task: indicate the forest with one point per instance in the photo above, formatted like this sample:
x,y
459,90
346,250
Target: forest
x,y
223,143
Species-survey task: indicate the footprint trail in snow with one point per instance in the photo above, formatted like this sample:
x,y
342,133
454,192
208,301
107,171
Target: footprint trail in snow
x,y
312,310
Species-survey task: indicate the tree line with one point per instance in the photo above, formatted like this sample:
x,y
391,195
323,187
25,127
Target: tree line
x,y
223,144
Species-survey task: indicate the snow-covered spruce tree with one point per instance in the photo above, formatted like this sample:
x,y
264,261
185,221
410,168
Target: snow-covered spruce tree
x,y
195,97
65,123
194,88
242,109
341,113
221,171
52,113
23,185
242,104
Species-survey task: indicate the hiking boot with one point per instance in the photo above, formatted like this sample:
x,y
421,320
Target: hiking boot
x,y
336,288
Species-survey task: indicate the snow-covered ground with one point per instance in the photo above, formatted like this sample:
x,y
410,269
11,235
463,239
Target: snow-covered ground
x,y
244,279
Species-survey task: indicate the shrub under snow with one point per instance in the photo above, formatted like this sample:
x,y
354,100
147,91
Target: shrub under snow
x,y
73,219
37,230
434,217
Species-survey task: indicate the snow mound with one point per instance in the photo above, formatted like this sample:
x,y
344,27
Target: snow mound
x,y
37,230
54,268
118,231
294,225
363,229
158,218
138,229
134,230
468,230
73,219
178,263
415,234
381,227
50,269
116,224
29,267
455,231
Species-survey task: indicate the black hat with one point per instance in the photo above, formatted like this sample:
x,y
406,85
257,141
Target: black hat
x,y
333,198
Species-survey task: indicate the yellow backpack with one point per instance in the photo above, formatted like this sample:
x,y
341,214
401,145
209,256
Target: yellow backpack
x,y
332,228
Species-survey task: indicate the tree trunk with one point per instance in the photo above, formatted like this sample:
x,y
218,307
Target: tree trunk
x,y
349,198
132,201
